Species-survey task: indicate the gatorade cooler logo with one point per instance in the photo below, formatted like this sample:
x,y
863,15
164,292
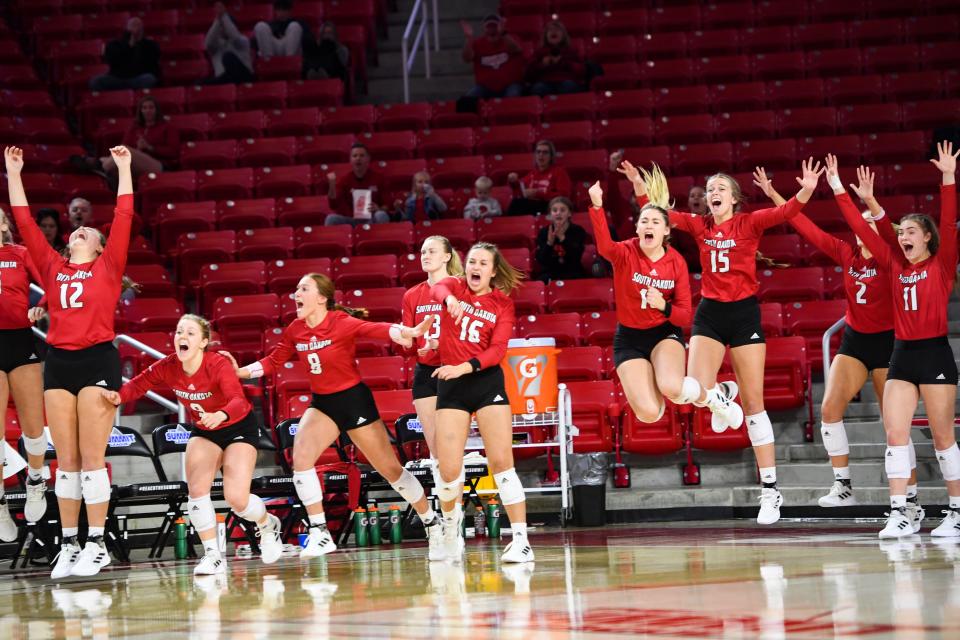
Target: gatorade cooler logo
x,y
528,372
178,435
118,439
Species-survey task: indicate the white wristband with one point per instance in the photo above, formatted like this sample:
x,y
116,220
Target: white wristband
x,y
835,183
396,332
879,215
255,370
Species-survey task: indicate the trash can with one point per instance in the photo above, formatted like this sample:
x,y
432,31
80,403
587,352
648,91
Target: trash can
x,y
588,477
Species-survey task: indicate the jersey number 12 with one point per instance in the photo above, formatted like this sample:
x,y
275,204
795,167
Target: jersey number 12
x,y
72,301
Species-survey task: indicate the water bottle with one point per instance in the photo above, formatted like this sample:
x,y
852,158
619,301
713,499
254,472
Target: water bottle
x,y
373,516
479,523
396,529
360,525
493,519
180,539
222,533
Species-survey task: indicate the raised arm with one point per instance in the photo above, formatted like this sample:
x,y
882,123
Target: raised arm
x,y
40,250
877,246
864,191
606,247
119,241
947,164
766,218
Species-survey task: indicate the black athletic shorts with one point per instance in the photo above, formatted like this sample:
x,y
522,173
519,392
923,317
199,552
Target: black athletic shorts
x,y
96,366
633,344
246,431
919,362
17,348
424,384
350,408
730,323
872,349
473,391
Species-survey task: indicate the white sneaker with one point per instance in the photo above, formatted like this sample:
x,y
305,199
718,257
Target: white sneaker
x,y
452,542
435,551
93,558
916,513
770,501
211,564
726,413
65,560
270,544
841,495
950,527
319,542
517,551
36,504
898,525
8,528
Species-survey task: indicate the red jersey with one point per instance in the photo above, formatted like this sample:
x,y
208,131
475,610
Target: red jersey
x,y
728,251
495,66
16,272
328,350
555,182
417,305
343,203
920,291
866,282
485,329
81,298
633,272
213,387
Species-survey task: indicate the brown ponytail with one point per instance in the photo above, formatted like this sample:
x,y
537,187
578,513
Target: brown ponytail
x,y
506,277
328,291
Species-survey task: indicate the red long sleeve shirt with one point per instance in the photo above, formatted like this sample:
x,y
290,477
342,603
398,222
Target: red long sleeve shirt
x,y
634,272
920,291
163,137
555,182
213,387
728,251
484,330
418,303
81,298
328,350
16,272
343,202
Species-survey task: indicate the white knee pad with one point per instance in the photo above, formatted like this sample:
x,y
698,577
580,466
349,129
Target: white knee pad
x,y
95,486
508,484
255,509
949,460
307,484
913,455
201,513
689,391
452,490
896,462
408,487
759,429
67,486
35,446
835,438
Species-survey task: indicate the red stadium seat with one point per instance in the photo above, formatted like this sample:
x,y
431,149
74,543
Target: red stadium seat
x,y
500,166
151,314
787,285
687,128
209,154
404,117
529,298
920,85
594,406
278,69
372,239
133,361
519,231
241,320
580,363
355,119
283,275
153,280
698,159
715,42
275,182
329,148
846,148
586,166
621,132
211,97
191,126
384,305
747,125
869,118
598,327
205,247
315,93
788,248
820,35
461,233
237,124
301,121
445,115
629,103
436,143
680,100
265,244
169,186
302,211
903,146
629,21
772,154
808,92
833,62
507,138
580,295
263,95
225,184
771,319
729,68
657,438
456,172
393,404
563,327
360,272
397,174
175,219
524,110
659,73
390,145
909,178
229,278
320,241
890,59
266,152
246,214
930,114
854,90
384,373
703,437
809,320
569,107
807,121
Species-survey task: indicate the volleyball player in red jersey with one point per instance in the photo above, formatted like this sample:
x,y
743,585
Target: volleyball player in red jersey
x,y
652,290
867,342
922,274
323,337
20,373
474,333
82,293
729,315
439,260
225,434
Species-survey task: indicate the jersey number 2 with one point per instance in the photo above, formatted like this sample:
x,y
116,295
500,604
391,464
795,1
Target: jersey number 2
x,y
719,261
74,301
861,292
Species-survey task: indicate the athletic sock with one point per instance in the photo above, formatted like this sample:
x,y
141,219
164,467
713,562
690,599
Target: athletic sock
x,y
95,532
35,474
842,473
70,533
955,503
519,529
211,548
428,517
318,518
912,493
768,477
898,502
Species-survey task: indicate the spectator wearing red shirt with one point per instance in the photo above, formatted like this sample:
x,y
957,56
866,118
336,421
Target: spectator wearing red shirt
x,y
497,60
362,178
533,193
556,67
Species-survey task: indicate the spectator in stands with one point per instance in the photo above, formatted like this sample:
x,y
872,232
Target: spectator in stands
x,y
284,35
49,222
422,203
355,197
79,213
533,193
327,57
228,49
482,204
134,61
497,60
556,67
560,244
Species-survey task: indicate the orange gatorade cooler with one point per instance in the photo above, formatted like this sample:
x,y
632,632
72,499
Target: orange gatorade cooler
x,y
530,374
